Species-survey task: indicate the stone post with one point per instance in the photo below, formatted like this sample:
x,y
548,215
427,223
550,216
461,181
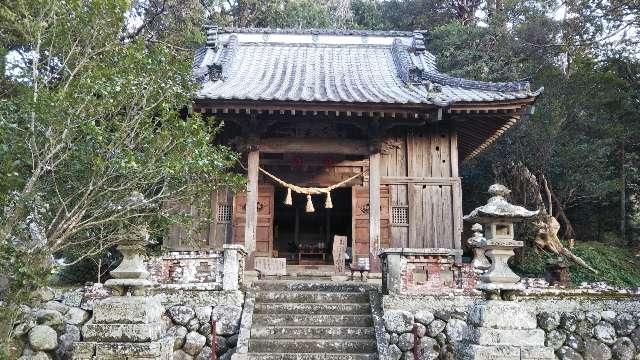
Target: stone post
x,y
233,266
127,326
391,271
502,330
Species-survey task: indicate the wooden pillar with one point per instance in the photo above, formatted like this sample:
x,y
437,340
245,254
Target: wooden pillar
x,y
251,222
374,211
457,193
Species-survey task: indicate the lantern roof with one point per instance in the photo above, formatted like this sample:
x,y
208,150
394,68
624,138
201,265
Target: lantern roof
x,y
498,208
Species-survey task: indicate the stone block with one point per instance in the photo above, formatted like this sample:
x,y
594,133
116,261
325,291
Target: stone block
x,y
127,310
479,352
153,349
536,353
134,333
513,337
501,315
83,350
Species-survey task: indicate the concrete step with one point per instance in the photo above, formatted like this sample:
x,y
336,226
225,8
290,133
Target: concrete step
x,y
311,320
357,346
312,308
312,332
311,297
311,356
323,286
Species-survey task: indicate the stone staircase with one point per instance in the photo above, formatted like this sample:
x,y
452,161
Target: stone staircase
x,y
298,320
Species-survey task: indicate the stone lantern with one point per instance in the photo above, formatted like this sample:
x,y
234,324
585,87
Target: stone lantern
x,y
128,325
498,217
130,277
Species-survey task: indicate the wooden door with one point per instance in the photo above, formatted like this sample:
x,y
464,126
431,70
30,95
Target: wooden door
x,y
360,219
220,229
264,229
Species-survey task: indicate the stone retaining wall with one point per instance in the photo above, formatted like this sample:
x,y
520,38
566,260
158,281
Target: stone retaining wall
x,y
49,330
192,330
580,328
415,327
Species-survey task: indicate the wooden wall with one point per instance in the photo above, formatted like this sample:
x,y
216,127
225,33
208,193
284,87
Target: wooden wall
x,y
420,167
211,225
420,195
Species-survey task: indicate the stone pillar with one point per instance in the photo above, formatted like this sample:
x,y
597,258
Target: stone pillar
x,y
128,326
233,266
391,272
502,330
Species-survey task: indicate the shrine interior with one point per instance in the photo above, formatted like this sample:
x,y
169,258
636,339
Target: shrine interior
x,y
306,238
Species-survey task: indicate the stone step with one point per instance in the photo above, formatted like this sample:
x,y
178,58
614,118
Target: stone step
x,y
311,297
311,356
356,346
323,286
312,332
312,308
312,320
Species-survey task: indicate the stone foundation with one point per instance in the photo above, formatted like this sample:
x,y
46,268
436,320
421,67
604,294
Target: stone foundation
x,y
191,327
582,327
49,330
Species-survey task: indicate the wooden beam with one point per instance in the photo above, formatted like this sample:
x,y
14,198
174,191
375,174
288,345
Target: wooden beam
x,y
374,212
251,220
314,162
314,146
398,180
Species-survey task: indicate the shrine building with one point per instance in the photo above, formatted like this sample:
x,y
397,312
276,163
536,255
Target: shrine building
x,y
342,133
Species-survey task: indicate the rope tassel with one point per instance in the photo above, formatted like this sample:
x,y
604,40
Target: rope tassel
x,y
328,204
309,207
287,200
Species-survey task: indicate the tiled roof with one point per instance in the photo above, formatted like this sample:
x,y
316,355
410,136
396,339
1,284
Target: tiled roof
x,y
334,66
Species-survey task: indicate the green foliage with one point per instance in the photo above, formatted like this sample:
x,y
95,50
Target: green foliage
x,y
274,13
616,266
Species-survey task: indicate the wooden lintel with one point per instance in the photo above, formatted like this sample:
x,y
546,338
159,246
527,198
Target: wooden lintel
x,y
314,146
339,163
397,180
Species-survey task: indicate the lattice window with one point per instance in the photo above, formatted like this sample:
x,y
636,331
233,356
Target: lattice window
x,y
224,213
399,215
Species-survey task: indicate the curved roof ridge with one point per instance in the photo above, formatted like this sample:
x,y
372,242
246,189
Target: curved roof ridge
x,y
445,79
312,31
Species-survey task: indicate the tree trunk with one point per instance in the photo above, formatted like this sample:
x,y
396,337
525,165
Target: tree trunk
x,y
99,277
623,196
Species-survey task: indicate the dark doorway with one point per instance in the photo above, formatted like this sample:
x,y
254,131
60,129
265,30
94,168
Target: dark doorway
x,y
307,237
